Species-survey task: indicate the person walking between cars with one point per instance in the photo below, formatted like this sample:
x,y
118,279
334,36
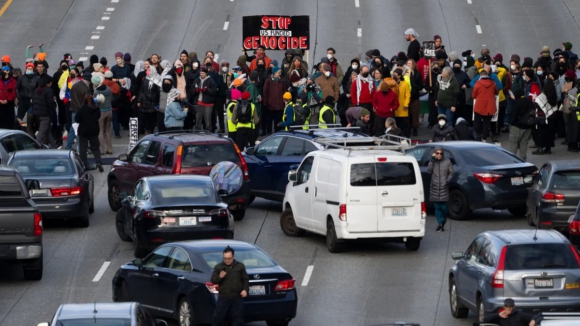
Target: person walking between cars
x,y
245,117
88,117
234,285
509,316
441,171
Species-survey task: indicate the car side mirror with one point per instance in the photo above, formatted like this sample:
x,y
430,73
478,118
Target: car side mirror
x,y
44,146
294,167
223,193
123,158
250,150
457,255
123,195
43,324
292,176
137,262
160,322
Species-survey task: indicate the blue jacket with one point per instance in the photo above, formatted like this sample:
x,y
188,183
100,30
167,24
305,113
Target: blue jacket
x,y
174,115
289,112
493,77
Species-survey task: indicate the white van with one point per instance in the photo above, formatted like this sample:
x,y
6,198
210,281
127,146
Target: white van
x,y
355,194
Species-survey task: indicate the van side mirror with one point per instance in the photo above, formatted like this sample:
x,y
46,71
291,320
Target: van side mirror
x,y
292,176
123,158
137,262
222,193
457,255
250,150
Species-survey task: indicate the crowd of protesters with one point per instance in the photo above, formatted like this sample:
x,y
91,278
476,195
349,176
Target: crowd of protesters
x,y
468,96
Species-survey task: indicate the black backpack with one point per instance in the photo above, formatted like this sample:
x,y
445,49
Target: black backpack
x,y
301,114
528,119
244,113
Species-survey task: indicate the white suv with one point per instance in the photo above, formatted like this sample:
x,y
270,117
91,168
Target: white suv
x,y
354,194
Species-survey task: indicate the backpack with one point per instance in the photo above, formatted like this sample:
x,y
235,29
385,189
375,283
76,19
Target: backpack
x,y
528,119
244,113
301,114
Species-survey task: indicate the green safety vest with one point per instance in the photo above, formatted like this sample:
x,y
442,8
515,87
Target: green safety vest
x,y
321,123
231,126
248,124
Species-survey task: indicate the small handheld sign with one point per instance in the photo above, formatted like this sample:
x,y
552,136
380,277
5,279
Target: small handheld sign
x,y
133,132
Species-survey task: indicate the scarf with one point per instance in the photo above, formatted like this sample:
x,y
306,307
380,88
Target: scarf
x,y
180,79
359,80
138,68
154,78
548,110
172,95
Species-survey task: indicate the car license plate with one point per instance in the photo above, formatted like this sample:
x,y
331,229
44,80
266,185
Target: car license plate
x,y
187,221
205,219
39,192
401,211
257,290
543,283
168,220
517,181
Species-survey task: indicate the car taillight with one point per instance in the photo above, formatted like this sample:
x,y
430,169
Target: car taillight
x,y
423,210
244,165
219,212
60,192
342,212
575,254
497,279
179,156
285,285
212,288
551,197
153,214
37,224
575,227
488,178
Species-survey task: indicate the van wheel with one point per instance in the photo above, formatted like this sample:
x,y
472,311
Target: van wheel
x,y
288,224
332,243
458,310
33,270
518,211
239,214
458,205
412,244
113,195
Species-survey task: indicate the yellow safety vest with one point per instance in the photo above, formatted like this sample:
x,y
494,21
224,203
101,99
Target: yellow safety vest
x,y
293,114
248,124
231,126
321,123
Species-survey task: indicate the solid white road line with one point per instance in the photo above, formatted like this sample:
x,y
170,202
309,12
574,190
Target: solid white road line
x,y
357,3
100,27
101,271
478,29
83,58
105,18
90,47
226,24
95,37
308,274
359,32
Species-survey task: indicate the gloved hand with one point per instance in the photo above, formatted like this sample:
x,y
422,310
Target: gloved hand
x,y
204,89
197,90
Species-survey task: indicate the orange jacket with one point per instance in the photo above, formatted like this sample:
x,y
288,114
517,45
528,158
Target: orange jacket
x,y
484,94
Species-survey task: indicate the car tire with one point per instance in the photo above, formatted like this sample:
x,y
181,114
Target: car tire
x,y
277,323
119,225
123,292
33,270
252,198
332,243
239,214
518,211
480,310
413,244
92,206
83,221
288,224
458,310
184,313
138,251
458,205
113,195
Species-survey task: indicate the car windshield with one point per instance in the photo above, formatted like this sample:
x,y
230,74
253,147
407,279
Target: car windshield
x,y
540,256
95,322
183,190
253,258
42,166
566,180
208,154
489,156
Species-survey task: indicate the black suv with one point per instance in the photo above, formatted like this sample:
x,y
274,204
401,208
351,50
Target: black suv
x,y
178,152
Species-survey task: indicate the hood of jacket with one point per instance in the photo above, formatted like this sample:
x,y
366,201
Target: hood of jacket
x,y
486,82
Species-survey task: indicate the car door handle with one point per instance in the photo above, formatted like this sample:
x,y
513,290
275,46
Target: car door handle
x,y
181,278
315,191
306,189
155,275
267,166
385,193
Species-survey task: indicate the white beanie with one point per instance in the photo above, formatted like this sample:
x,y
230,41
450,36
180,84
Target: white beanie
x,y
411,31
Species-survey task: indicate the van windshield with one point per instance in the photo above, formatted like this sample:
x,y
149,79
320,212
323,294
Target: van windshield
x,y
382,174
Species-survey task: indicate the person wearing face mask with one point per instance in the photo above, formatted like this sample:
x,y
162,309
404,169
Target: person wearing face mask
x,y
205,90
441,171
432,89
362,91
471,72
328,82
274,89
225,78
172,113
484,108
148,101
539,70
262,72
65,96
287,62
385,104
7,98
335,66
443,131
463,81
255,97
531,87
44,110
25,87
88,118
447,94
261,53
402,113
546,105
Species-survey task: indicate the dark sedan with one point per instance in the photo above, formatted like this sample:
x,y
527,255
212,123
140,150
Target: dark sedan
x,y
174,281
12,141
172,208
485,176
58,183
554,195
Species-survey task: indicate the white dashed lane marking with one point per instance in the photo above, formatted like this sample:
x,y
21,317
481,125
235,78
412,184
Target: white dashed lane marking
x,y
105,18
308,274
478,29
100,27
357,3
90,47
101,271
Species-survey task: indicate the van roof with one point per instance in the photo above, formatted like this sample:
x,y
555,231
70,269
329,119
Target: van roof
x,y
361,153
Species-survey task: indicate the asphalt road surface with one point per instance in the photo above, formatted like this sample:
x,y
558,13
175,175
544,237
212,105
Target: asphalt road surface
x,y
370,283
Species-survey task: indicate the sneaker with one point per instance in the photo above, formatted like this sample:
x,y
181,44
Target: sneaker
x,y
439,228
118,137
443,228
109,153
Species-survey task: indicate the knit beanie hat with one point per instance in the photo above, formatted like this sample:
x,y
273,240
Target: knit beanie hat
x,y
364,112
376,53
453,56
529,73
466,53
275,70
118,55
528,62
567,46
441,116
440,55
93,59
369,53
236,94
287,96
97,66
237,82
498,57
545,52
294,76
192,56
557,53
29,65
87,75
127,57
274,62
246,95
401,56
326,67
96,80
6,58
570,75
515,58
103,61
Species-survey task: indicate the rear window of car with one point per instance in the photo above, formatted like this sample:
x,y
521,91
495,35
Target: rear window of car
x,y
181,190
382,174
95,322
208,154
540,256
42,166
10,187
566,180
254,258
489,156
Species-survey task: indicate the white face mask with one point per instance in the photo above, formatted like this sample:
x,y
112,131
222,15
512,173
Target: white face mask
x,y
465,63
329,56
225,69
513,67
354,66
195,64
441,123
119,61
327,73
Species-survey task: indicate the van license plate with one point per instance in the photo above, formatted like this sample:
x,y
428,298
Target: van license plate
x,y
187,221
517,181
543,283
257,290
399,211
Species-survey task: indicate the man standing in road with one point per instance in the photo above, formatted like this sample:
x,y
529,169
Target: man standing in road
x,y
441,171
233,281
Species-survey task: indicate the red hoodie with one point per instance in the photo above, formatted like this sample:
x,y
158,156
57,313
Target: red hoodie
x,y
423,67
385,104
366,96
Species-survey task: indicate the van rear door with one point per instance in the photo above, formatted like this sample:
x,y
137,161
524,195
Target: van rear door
x,y
362,198
399,194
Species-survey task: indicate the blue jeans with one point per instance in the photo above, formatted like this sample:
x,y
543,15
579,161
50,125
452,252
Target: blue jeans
x,y
447,112
116,129
234,308
440,211
71,133
508,111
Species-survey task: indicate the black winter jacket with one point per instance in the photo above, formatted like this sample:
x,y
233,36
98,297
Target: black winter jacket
x,y
516,318
441,172
88,120
234,282
26,85
442,134
43,103
209,94
148,96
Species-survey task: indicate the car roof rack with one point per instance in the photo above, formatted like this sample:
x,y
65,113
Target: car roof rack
x,y
387,142
173,133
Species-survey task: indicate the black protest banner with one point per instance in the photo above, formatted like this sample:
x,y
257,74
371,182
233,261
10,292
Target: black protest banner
x,y
276,32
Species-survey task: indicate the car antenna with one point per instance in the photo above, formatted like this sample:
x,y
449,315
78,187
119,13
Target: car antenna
x,y
536,232
95,309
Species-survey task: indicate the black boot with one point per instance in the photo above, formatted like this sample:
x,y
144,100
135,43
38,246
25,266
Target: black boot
x,y
439,228
548,150
538,151
443,226
415,134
